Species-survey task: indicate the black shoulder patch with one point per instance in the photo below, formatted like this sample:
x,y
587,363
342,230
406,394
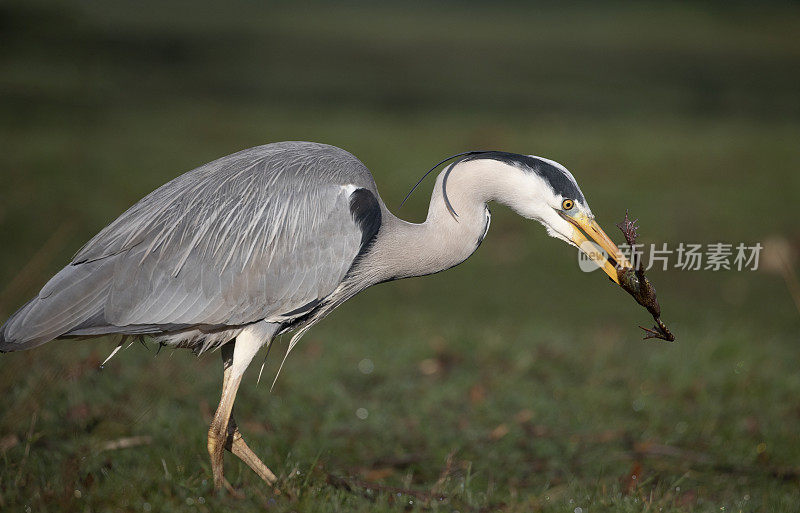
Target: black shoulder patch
x,y
366,212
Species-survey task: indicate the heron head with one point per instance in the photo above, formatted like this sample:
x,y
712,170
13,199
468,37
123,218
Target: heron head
x,y
541,189
546,191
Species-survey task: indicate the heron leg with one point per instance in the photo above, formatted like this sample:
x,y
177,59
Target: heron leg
x,y
223,432
218,431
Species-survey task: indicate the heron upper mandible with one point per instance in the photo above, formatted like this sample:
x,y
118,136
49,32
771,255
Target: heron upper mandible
x,y
271,239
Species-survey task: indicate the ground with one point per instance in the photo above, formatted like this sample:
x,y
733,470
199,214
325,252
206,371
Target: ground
x,y
514,382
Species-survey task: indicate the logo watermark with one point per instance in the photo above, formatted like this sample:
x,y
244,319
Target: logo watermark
x,y
591,256
716,256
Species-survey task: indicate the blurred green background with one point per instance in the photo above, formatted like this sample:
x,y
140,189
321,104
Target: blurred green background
x,y
513,382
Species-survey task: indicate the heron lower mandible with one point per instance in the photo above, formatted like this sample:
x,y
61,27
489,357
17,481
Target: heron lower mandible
x,y
271,239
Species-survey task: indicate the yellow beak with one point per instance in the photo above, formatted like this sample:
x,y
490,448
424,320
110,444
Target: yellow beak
x,y
593,241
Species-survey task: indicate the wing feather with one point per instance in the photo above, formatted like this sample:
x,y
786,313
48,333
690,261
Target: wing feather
x,y
250,236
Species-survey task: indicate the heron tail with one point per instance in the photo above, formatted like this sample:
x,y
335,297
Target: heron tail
x,y
73,299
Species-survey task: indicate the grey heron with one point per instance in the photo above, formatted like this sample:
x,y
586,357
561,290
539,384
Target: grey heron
x,y
270,240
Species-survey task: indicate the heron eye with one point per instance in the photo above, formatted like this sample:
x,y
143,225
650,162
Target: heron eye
x,y
567,204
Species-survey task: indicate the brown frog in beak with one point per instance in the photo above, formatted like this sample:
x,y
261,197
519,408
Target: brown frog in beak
x,y
634,282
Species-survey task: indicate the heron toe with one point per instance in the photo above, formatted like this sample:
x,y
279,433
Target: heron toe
x,y
239,447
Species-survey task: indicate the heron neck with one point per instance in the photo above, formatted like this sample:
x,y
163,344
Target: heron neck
x,y
444,239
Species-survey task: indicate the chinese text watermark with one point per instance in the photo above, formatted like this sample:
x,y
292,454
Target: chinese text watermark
x,y
715,256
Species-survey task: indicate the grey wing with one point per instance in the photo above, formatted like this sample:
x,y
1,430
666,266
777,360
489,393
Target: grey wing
x,y
260,234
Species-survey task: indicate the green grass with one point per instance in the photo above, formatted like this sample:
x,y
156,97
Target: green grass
x,y
513,382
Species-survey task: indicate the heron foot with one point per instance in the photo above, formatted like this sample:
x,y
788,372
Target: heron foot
x,y
231,439
233,491
236,444
216,446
